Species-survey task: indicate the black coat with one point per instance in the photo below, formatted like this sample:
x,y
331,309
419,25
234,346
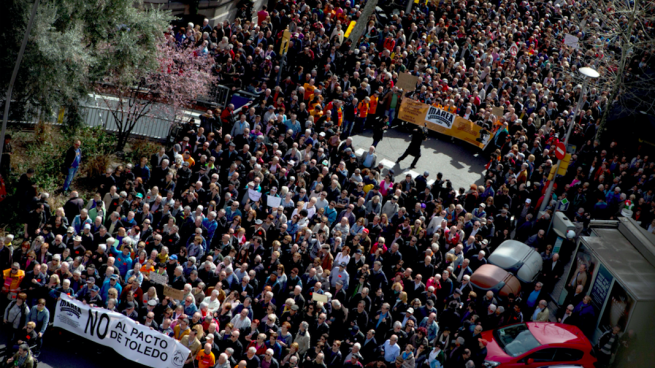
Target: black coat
x,y
418,137
68,161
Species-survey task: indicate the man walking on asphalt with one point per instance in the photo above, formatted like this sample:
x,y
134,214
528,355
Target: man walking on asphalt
x,y
414,148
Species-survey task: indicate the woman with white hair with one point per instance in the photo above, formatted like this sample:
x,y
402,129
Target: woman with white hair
x,y
213,304
303,338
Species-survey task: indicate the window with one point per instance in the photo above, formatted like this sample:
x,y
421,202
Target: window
x,y
516,339
543,355
568,355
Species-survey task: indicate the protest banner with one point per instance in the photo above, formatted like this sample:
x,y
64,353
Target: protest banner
x,y
407,82
444,122
173,293
114,330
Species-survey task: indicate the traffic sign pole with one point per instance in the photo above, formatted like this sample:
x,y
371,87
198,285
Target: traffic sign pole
x,y
586,74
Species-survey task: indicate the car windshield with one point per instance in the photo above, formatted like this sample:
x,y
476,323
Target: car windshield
x,y
516,339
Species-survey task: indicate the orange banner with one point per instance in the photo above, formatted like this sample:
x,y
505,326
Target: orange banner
x,y
444,122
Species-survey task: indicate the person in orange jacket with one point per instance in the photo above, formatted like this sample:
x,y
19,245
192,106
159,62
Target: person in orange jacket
x,y
362,113
205,357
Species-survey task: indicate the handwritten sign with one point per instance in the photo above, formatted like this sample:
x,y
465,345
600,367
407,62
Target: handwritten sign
x,y
571,41
157,278
254,195
498,111
319,297
173,293
273,201
407,82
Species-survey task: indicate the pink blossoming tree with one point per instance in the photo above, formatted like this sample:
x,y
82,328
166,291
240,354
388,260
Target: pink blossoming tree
x,y
169,82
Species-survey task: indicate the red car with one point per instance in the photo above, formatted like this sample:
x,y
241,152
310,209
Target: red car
x,y
538,344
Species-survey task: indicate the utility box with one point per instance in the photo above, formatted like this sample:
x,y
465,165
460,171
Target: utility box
x,y
562,224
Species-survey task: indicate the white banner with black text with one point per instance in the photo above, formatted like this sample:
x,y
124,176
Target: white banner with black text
x,y
131,340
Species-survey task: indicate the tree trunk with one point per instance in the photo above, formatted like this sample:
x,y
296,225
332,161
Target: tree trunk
x,y
121,141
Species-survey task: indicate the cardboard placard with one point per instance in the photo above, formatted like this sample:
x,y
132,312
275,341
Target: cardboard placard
x,y
319,297
498,111
173,293
407,82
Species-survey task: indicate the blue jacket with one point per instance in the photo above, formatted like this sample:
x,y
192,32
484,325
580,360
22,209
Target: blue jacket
x,y
142,172
104,290
211,228
123,262
78,224
42,318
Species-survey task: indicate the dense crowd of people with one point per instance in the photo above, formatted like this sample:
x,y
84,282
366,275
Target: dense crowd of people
x,y
292,251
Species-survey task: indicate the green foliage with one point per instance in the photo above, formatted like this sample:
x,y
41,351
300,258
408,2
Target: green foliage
x,y
96,141
141,148
68,48
44,150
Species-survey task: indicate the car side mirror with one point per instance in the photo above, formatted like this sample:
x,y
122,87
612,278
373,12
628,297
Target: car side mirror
x,y
529,361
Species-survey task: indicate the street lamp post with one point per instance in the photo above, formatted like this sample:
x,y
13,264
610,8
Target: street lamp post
x,y
587,73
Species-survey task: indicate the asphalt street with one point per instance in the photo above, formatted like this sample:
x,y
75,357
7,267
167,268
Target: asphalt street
x,y
460,162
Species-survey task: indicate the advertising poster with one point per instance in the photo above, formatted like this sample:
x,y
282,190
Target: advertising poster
x,y
618,309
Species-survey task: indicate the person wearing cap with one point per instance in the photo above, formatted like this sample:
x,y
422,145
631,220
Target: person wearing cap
x,y
93,298
85,291
130,311
408,316
111,282
259,230
78,249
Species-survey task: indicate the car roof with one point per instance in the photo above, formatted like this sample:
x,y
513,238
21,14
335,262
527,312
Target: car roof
x,y
557,333
516,257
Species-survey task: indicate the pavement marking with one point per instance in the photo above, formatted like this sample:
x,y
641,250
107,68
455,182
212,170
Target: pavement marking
x,y
388,164
430,182
413,173
360,152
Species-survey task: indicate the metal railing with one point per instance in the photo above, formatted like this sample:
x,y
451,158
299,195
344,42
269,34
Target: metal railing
x,y
218,96
149,126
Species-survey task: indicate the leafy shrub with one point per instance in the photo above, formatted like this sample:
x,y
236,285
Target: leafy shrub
x,y
141,148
